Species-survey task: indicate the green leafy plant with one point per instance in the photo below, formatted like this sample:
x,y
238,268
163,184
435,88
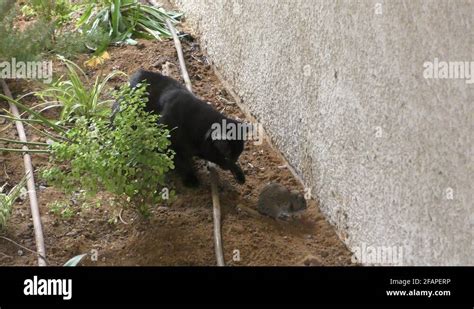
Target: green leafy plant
x,y
25,44
125,20
59,14
58,11
7,200
74,95
71,43
47,31
129,160
61,209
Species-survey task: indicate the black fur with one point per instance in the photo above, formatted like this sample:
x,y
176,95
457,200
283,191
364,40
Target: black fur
x,y
190,120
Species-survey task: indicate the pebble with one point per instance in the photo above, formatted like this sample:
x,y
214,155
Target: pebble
x,y
20,252
71,233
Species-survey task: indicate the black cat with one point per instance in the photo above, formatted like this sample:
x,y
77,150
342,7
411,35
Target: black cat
x,y
190,121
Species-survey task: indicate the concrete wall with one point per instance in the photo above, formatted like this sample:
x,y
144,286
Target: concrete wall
x,y
339,87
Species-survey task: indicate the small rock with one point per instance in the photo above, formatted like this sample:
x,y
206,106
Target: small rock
x,y
20,252
71,233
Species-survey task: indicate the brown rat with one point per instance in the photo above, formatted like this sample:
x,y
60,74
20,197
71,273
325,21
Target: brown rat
x,y
278,202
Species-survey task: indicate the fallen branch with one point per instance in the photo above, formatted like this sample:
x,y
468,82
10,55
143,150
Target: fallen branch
x,y
211,166
38,230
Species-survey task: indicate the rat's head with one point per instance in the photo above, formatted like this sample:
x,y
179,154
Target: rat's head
x,y
297,202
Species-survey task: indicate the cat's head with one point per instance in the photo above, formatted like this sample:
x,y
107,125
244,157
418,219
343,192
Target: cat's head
x,y
224,149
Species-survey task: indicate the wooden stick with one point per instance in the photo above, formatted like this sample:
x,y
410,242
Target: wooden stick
x,y
179,50
40,248
216,205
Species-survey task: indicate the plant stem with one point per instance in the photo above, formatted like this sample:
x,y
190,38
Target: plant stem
x,y
23,143
20,119
24,150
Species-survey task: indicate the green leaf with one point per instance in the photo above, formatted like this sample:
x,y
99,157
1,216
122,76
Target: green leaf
x,y
116,17
85,16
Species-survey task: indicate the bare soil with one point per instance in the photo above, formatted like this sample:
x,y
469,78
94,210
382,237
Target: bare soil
x,y
180,233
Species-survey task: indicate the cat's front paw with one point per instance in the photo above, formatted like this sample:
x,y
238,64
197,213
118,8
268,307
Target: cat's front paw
x,y
238,174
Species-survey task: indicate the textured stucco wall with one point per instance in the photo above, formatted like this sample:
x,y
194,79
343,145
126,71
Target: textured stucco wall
x,y
339,87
